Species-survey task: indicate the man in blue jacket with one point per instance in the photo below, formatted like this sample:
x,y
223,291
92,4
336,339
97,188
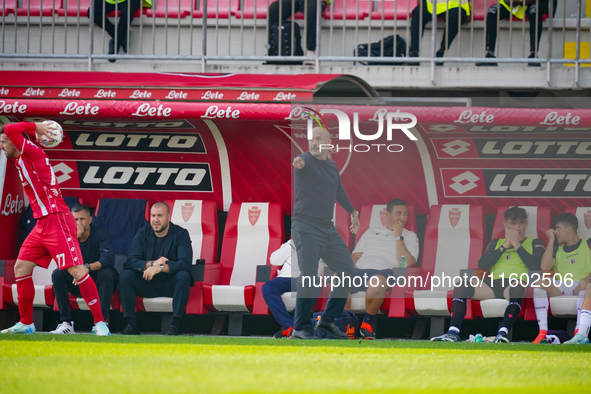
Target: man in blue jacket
x,y
99,259
159,263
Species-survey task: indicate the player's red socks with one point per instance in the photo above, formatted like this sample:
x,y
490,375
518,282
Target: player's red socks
x,y
26,294
89,292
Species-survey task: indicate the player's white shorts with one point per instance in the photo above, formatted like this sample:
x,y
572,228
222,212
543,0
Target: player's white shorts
x,y
566,290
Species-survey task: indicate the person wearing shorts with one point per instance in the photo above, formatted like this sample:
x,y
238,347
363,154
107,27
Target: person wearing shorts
x,y
504,258
571,262
376,253
54,235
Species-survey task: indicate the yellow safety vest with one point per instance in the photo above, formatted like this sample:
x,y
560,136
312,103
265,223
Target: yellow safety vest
x,y
510,262
577,262
147,3
444,5
518,11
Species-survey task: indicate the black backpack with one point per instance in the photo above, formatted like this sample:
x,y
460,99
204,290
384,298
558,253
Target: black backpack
x,y
375,50
285,43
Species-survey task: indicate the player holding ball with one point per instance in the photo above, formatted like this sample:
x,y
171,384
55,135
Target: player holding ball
x,y
54,235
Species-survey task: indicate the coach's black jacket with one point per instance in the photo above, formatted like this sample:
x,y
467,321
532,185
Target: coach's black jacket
x,y
177,249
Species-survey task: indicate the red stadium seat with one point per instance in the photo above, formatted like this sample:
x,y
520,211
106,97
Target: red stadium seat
x,y
347,9
584,216
39,7
253,231
253,9
222,9
393,9
74,8
172,9
373,216
454,241
8,7
538,221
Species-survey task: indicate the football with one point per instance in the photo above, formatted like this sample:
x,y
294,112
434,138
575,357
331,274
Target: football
x,y
58,135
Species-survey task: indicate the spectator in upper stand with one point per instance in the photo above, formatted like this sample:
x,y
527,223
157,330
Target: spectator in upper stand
x,y
159,264
376,253
505,258
519,9
118,33
453,13
99,259
279,13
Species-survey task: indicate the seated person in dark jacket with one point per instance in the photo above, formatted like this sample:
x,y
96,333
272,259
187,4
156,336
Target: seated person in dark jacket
x,y
99,259
158,266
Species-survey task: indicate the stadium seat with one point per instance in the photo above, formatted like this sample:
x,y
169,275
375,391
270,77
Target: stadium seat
x,y
74,8
347,9
393,9
480,8
253,9
171,9
538,221
584,216
8,7
454,241
373,216
38,7
200,219
253,231
222,9
122,218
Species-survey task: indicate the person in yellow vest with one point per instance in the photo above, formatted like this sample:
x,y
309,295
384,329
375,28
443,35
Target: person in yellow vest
x,y
519,9
571,262
506,259
118,33
452,11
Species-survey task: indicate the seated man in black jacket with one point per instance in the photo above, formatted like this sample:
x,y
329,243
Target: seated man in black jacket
x,y
99,259
159,263
506,259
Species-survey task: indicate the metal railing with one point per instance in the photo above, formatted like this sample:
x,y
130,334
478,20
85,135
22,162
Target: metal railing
x,y
237,30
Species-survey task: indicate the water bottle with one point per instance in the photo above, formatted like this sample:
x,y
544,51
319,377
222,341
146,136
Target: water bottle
x,y
402,263
478,338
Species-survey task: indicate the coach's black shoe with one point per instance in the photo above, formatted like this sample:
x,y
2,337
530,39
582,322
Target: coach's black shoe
x,y
533,56
173,330
488,56
302,334
331,329
130,330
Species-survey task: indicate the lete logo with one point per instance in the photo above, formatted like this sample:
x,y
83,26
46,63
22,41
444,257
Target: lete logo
x,y
253,215
454,216
187,211
11,206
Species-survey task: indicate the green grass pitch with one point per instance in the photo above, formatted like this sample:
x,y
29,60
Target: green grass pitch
x,y
45,363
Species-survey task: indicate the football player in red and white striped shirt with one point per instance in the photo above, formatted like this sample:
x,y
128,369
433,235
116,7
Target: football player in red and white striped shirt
x,y
54,235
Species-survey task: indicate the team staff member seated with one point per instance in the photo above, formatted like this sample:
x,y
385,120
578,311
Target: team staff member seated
x,y
507,257
159,263
376,253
